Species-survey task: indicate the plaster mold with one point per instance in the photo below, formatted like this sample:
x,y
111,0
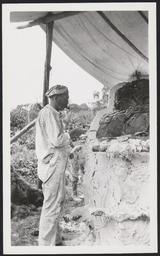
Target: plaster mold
x,y
116,190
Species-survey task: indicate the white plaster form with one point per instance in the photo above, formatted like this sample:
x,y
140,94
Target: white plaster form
x,y
116,185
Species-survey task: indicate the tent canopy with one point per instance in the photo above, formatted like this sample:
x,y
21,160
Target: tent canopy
x,y
109,45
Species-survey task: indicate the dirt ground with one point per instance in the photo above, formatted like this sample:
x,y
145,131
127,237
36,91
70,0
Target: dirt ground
x,y
74,231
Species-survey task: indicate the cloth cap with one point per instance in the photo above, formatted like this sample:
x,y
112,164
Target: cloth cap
x,y
56,90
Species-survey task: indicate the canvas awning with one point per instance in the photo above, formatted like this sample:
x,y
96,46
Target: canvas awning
x,y
109,45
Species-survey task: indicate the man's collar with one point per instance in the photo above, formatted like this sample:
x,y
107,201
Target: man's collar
x,y
53,109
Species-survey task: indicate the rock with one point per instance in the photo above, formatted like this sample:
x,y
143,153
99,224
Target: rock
x,y
131,113
111,125
138,124
22,193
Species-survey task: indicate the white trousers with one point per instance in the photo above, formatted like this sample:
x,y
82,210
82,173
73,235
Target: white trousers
x,y
54,194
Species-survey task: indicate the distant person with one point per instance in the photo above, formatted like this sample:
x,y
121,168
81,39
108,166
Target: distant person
x,y
52,149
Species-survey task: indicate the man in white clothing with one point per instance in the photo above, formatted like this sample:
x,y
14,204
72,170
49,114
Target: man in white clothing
x,y
52,149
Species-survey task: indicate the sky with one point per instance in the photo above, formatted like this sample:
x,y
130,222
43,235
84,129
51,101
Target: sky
x,y
25,64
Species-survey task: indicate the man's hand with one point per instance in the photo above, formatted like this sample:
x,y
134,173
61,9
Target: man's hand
x,y
76,148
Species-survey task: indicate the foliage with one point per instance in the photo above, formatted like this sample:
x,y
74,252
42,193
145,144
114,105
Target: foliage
x,y
28,139
34,110
81,118
74,107
22,115
98,105
84,106
24,161
18,117
22,193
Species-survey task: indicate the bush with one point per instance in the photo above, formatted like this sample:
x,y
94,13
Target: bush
x,y
23,114
18,117
34,110
78,117
28,139
24,161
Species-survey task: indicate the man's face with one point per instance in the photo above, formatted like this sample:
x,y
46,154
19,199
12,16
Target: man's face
x,y
62,101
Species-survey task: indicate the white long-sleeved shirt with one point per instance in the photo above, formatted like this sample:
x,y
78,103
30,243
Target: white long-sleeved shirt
x,y
50,134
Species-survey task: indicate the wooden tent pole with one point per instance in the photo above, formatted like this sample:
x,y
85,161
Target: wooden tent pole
x,y
143,16
122,35
48,18
49,34
23,131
